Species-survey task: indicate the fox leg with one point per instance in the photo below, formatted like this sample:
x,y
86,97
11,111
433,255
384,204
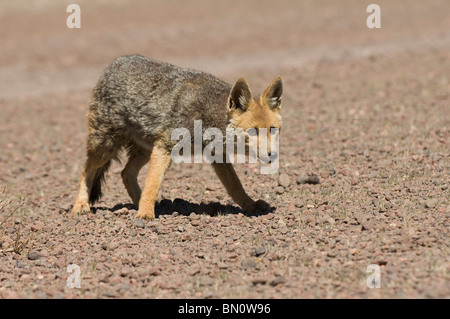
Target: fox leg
x,y
160,161
230,180
88,176
138,157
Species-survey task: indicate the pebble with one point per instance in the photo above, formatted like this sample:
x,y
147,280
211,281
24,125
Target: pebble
x,y
327,219
248,263
154,271
222,265
125,271
121,211
35,227
259,281
124,287
278,281
194,216
100,212
195,222
331,254
280,190
261,250
138,222
284,180
313,179
112,246
33,255
430,203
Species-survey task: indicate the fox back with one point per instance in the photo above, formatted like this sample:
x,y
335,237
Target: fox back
x,y
141,99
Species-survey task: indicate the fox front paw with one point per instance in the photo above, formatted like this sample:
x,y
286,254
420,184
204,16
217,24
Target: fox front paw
x,y
146,214
81,208
253,206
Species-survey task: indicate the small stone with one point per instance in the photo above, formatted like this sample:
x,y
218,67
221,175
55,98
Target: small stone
x,y
125,271
248,263
381,261
222,265
278,281
366,225
326,219
193,216
124,287
261,250
121,211
195,222
133,233
259,281
284,180
280,190
310,220
430,203
35,227
313,179
194,271
112,246
154,271
138,222
33,255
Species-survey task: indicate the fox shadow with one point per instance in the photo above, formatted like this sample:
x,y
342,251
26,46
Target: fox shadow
x,y
185,208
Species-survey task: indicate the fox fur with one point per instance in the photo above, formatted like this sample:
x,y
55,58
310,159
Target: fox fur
x,y
136,105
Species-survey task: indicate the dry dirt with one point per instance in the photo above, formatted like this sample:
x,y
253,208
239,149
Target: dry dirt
x,y
365,110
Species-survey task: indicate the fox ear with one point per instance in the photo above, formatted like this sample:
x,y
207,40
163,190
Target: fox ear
x,y
240,95
273,93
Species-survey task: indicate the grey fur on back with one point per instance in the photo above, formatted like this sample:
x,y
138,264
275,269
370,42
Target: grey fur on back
x,y
139,100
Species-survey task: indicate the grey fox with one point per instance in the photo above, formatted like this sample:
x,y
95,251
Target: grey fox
x,y
138,102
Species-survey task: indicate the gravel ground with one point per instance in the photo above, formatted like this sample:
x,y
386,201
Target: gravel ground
x,y
364,155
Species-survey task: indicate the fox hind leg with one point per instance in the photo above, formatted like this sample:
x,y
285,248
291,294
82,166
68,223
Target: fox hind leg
x,y
137,158
101,152
91,178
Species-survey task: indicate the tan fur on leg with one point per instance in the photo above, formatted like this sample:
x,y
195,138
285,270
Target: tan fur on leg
x,y
160,161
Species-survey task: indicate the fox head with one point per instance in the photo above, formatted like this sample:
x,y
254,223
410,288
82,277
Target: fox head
x,y
258,118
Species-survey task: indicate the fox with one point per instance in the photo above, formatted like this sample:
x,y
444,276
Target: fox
x,y
138,102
